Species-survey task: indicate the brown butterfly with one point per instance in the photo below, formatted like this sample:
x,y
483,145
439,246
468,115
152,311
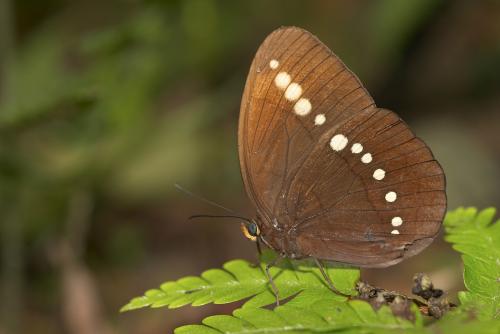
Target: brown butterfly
x,y
331,175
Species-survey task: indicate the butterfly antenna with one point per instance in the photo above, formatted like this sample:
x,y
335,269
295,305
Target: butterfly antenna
x,y
189,193
219,216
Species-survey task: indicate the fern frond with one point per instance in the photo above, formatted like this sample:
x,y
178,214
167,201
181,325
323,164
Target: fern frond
x,y
477,237
240,279
325,315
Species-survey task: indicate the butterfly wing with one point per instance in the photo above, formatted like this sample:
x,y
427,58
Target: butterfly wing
x,y
272,138
302,111
388,200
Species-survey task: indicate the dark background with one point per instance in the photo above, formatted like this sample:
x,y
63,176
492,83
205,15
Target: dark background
x,y
104,105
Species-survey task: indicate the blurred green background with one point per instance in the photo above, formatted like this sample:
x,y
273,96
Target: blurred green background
x,y
104,105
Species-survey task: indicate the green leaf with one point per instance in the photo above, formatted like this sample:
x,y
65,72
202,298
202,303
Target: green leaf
x,y
241,280
463,323
326,316
474,234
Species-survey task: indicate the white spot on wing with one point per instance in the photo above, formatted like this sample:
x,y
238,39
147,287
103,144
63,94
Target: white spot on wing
x,y
366,158
394,232
396,221
274,64
338,142
356,148
379,174
319,119
391,196
302,107
293,92
282,80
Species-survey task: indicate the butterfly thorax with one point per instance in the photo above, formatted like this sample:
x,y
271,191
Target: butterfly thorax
x,y
279,236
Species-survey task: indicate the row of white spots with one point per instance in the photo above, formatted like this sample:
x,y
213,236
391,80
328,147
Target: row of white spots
x,y
293,92
396,221
339,142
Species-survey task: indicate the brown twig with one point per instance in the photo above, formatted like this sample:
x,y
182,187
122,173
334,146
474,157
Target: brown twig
x,y
432,301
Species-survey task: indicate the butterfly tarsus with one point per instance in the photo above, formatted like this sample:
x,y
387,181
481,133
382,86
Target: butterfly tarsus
x,y
270,278
327,278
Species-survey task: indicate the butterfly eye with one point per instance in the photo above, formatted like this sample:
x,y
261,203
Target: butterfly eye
x,y
251,231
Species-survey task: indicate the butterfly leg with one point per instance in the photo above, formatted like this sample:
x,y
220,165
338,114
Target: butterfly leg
x,y
259,250
327,278
259,254
270,278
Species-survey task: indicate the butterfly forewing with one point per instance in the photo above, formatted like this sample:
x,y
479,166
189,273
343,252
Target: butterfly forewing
x,y
331,175
269,127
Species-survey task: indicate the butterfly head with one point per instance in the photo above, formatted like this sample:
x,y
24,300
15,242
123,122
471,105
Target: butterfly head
x,y
251,230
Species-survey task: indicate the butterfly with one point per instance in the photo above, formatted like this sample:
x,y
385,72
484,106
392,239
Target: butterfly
x,y
331,175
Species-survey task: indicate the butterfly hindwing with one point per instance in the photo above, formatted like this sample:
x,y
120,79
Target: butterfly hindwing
x,y
384,207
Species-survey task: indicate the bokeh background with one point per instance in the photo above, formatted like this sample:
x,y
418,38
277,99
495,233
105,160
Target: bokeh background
x,y
104,105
